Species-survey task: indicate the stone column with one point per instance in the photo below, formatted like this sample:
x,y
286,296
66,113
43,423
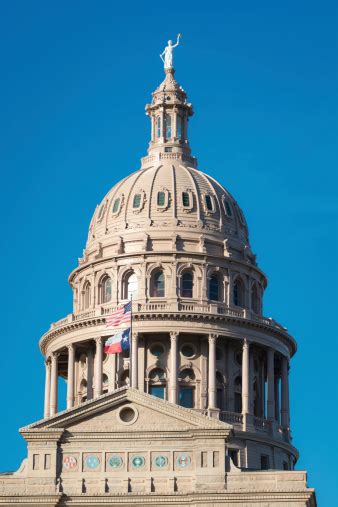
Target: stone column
x,y
54,384
89,374
285,415
112,383
47,388
277,410
134,356
271,384
173,366
245,382
98,367
212,373
70,379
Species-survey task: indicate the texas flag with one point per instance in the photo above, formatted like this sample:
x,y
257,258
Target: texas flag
x,y
117,343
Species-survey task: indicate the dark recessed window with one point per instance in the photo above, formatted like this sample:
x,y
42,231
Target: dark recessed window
x,y
187,285
227,208
137,201
168,126
168,149
264,462
187,351
157,349
214,288
219,354
286,465
158,126
160,198
209,203
233,454
186,199
158,285
116,205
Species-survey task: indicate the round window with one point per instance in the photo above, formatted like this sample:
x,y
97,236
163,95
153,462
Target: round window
x,y
187,351
127,414
157,349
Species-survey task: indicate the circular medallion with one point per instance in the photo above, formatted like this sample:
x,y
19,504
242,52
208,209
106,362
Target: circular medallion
x,y
69,462
183,460
92,462
161,461
138,461
115,461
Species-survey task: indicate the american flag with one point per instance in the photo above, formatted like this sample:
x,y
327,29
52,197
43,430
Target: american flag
x,y
120,316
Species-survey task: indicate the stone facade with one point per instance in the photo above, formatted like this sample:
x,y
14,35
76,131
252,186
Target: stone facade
x,y
199,414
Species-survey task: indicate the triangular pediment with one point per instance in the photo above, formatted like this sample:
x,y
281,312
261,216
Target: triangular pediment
x,y
128,410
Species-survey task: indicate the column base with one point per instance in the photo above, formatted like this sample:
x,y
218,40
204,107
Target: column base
x,y
214,412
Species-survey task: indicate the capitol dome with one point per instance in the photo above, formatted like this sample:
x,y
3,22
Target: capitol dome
x,y
168,194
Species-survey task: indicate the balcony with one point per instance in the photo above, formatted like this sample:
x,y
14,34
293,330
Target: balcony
x,y
140,309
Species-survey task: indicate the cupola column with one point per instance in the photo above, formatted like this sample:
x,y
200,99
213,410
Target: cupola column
x,y
246,383
54,384
89,374
173,366
285,415
98,367
70,376
134,360
47,388
271,384
212,373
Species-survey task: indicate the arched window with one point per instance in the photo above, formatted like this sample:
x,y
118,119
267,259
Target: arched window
x,y
179,126
157,383
168,126
187,285
220,391
186,200
209,202
105,290
158,126
161,199
116,206
238,293
130,287
137,201
214,288
86,296
255,303
238,394
187,385
157,285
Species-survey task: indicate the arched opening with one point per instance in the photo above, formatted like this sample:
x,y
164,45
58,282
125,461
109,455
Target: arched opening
x,y
105,289
255,301
130,286
187,388
157,383
238,293
86,299
158,126
187,287
214,288
157,284
179,126
238,394
168,126
220,386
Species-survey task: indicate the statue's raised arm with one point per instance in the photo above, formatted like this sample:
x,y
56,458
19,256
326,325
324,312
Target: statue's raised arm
x,y
168,59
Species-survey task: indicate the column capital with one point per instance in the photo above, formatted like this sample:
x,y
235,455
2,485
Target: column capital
x,y
98,340
54,356
212,338
48,362
174,335
70,346
135,335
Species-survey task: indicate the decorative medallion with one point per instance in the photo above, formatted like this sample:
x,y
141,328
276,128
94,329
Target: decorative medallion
x,y
138,461
69,462
115,461
92,462
184,460
161,461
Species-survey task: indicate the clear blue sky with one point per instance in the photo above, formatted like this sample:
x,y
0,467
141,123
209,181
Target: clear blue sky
x,y
262,76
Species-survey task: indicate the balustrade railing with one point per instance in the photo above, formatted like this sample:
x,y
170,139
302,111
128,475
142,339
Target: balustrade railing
x,y
231,417
181,307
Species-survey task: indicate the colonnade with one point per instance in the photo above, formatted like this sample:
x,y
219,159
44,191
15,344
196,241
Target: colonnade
x,y
272,404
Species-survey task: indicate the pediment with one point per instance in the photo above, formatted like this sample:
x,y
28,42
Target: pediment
x,y
128,410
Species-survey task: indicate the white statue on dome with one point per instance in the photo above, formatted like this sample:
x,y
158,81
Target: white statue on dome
x,y
168,53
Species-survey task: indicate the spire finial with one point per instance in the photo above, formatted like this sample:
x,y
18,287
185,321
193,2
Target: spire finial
x,y
167,55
